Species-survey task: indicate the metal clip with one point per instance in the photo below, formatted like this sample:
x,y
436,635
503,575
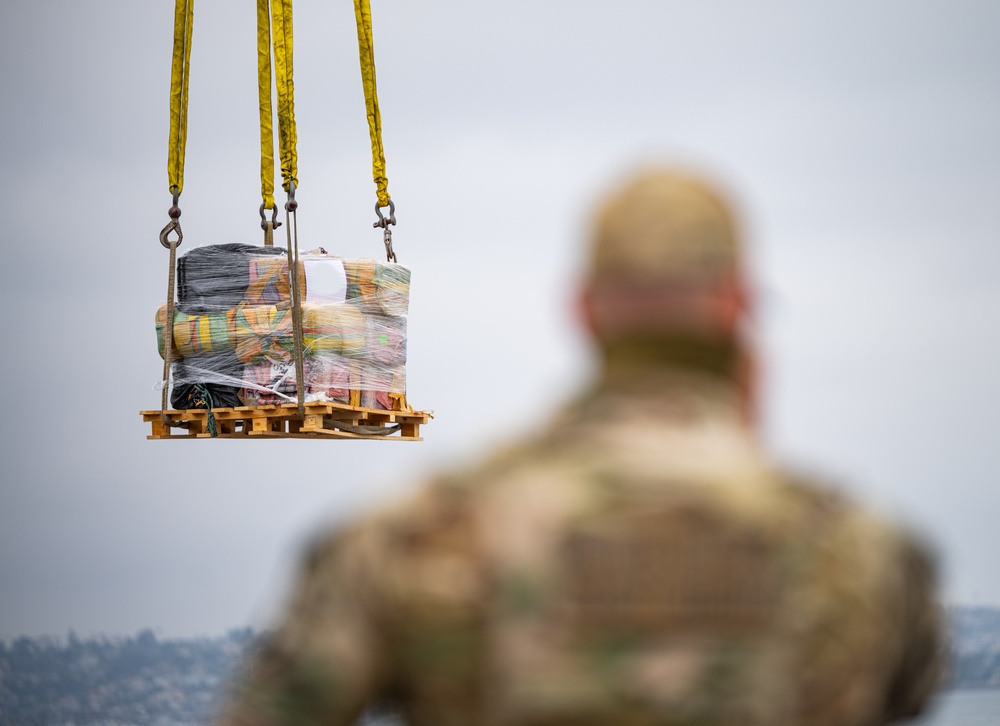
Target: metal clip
x,y
384,223
274,217
291,205
390,256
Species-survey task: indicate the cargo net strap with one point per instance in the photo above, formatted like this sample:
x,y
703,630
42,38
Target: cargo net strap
x,y
168,338
179,73
292,234
364,430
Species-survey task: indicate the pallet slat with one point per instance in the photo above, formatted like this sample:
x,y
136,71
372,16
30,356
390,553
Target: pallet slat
x,y
282,421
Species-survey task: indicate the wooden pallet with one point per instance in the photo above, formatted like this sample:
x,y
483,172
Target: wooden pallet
x,y
282,421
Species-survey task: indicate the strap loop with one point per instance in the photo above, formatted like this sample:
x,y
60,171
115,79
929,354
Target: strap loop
x,y
274,31
179,68
266,112
281,23
366,53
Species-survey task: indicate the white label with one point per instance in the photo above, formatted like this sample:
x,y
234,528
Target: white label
x,y
326,281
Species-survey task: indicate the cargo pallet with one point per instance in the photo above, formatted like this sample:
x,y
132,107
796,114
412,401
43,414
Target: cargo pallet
x,y
321,420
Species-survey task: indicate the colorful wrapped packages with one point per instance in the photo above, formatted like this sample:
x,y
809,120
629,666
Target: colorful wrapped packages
x,y
383,387
385,339
263,332
378,287
328,378
198,334
333,330
233,331
268,282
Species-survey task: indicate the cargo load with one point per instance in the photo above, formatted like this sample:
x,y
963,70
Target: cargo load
x,y
232,328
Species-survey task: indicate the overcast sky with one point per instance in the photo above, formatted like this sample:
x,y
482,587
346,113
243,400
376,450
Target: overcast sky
x,y
859,139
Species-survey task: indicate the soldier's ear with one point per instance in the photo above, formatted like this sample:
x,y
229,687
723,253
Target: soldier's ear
x,y
585,309
747,382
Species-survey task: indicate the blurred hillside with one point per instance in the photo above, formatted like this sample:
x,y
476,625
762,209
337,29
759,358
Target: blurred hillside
x,y
975,643
143,681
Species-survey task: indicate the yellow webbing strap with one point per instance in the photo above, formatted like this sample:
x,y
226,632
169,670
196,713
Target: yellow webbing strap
x,y
264,94
281,22
363,12
183,20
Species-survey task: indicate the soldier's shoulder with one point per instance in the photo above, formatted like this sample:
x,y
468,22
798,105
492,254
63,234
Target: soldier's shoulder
x,y
855,528
442,516
429,513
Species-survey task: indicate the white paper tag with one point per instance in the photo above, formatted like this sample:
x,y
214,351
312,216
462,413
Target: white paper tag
x,y
326,280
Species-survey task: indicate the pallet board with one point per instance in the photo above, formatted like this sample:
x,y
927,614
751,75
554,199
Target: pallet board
x,y
283,422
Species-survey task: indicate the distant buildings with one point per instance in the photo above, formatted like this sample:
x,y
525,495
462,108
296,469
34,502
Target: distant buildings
x,y
143,681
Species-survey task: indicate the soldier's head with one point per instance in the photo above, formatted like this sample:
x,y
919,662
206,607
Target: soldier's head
x,y
666,283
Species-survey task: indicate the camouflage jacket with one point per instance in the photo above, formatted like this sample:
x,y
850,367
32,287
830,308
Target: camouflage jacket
x,y
640,563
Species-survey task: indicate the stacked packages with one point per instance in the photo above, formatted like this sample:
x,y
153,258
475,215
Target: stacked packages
x,y
233,338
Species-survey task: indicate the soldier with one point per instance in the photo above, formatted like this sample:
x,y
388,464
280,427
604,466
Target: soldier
x,y
640,563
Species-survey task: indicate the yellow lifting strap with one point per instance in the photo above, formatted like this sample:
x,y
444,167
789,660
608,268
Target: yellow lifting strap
x,y
363,12
266,112
276,25
183,20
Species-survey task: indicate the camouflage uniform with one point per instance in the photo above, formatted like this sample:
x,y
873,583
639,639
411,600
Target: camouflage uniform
x,y
639,563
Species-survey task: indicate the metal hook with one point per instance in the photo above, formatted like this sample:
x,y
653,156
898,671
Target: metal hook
x,y
172,226
291,205
274,217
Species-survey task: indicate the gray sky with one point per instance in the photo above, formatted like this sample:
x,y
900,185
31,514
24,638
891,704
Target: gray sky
x,y
859,138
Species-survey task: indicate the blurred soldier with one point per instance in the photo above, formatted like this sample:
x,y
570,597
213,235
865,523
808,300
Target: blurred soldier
x,y
640,563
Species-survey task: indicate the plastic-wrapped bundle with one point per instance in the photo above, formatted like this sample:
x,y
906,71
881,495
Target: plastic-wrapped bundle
x,y
198,334
385,339
328,378
215,278
333,330
382,387
268,282
207,381
233,331
378,287
268,382
262,332
258,332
